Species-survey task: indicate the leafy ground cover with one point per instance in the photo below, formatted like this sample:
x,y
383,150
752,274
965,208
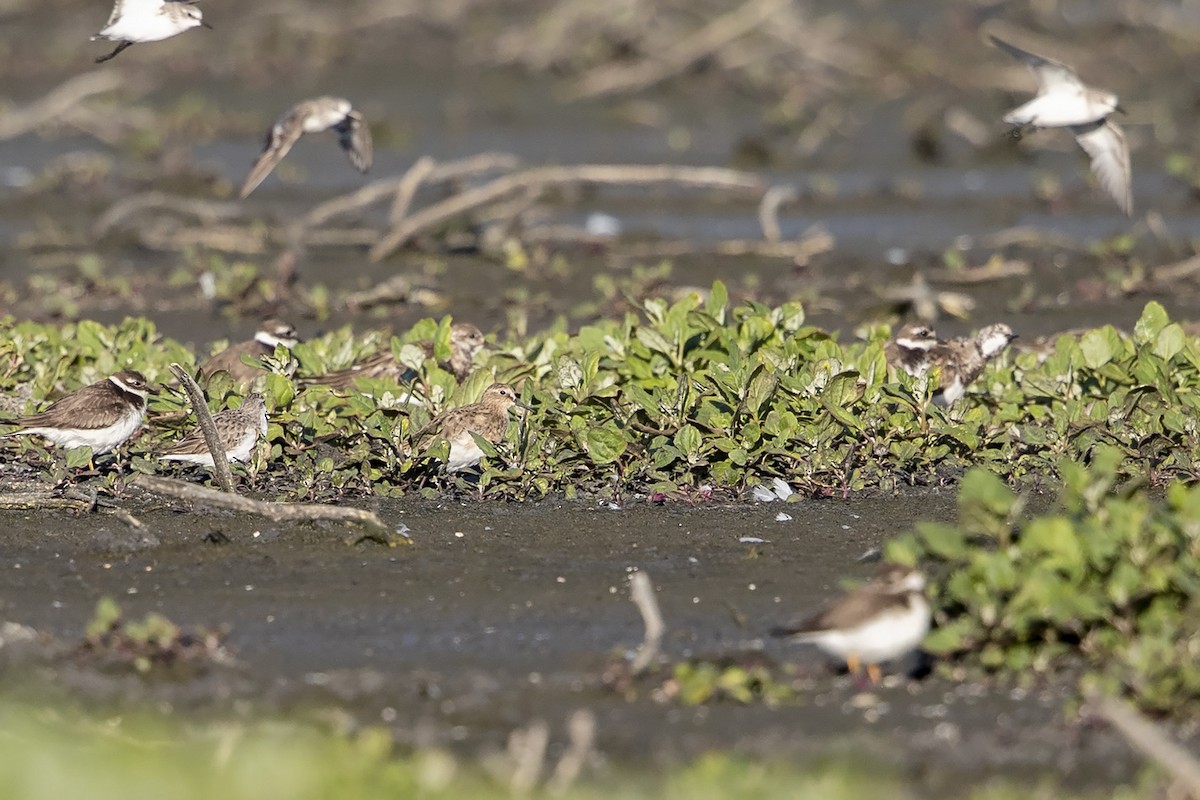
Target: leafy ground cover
x,y
692,399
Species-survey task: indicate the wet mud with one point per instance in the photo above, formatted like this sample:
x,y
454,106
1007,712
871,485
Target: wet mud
x,y
498,615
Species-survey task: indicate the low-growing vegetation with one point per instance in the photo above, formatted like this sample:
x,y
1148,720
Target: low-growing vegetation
x,y
693,399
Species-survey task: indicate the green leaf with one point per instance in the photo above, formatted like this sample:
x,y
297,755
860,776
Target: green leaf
x,y
79,457
1096,349
604,445
1170,341
1150,324
688,440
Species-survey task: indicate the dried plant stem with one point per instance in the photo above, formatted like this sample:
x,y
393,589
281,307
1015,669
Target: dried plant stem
x,y
74,501
543,178
642,594
712,37
59,101
207,427
279,512
527,748
581,728
406,190
1150,739
768,211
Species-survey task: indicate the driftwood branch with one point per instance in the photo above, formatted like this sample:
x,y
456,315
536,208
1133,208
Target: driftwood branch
x,y
204,210
642,594
406,190
73,501
375,192
543,178
59,101
1150,739
207,427
278,512
581,729
768,210
682,55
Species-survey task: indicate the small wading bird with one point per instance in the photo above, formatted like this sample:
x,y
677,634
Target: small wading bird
x,y
1063,101
134,21
313,116
101,416
237,428
958,362
962,360
270,333
909,350
487,419
465,342
879,621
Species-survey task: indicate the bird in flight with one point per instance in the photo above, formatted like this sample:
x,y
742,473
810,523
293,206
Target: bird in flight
x,y
134,21
313,116
1064,101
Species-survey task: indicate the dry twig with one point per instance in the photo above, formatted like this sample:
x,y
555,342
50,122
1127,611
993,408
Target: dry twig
x,y
1150,739
59,101
642,594
581,728
278,512
207,427
543,178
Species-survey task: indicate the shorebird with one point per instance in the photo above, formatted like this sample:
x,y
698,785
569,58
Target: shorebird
x,y
909,350
487,419
312,116
1063,101
100,416
238,429
961,360
879,621
134,21
270,333
465,342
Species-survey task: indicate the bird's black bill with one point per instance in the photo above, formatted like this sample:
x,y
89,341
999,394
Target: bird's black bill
x,y
1120,110
204,24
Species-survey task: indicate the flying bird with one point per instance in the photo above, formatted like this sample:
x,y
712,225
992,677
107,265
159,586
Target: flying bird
x,y
313,116
134,21
1064,101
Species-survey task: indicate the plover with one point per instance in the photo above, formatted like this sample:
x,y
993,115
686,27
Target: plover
x,y
465,342
487,419
879,621
238,429
100,416
909,350
1063,101
962,360
134,21
270,333
313,116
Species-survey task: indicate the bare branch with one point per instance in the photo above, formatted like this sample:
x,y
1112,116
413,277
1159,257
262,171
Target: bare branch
x,y
406,190
642,594
279,512
768,210
712,37
59,101
207,427
549,177
1150,739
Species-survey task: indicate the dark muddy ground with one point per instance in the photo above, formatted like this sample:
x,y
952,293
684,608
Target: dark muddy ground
x,y
498,615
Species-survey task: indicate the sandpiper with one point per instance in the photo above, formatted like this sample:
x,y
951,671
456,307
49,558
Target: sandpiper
x,y
313,116
1063,101
134,21
100,416
270,333
487,419
879,621
238,429
909,350
962,360
465,342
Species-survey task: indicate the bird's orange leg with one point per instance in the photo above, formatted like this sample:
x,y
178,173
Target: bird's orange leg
x,y
874,673
853,663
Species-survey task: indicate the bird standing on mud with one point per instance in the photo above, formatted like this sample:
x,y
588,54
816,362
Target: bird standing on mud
x,y
884,619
